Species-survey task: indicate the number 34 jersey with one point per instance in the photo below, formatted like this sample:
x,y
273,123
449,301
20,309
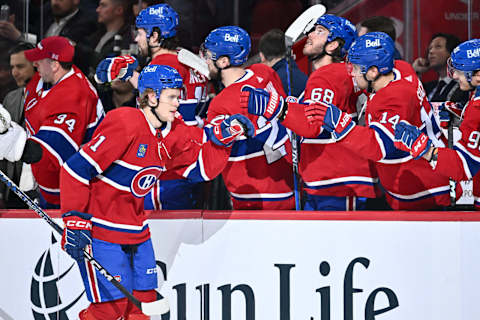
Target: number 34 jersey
x,y
61,120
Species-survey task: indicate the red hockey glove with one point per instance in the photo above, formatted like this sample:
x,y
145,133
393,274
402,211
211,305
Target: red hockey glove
x,y
226,132
121,67
330,118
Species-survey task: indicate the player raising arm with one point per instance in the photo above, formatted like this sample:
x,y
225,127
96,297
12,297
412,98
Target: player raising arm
x,y
463,161
408,184
103,186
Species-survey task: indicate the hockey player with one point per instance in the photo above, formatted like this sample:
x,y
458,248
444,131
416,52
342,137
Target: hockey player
x,y
258,175
329,184
156,39
463,161
409,184
103,186
62,109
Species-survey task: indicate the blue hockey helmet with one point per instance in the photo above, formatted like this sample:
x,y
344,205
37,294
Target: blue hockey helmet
x,y
230,41
159,77
465,57
338,27
161,16
373,49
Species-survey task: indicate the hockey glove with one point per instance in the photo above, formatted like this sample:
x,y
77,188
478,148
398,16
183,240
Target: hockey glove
x,y
5,119
262,103
226,132
409,138
121,67
330,118
447,110
77,233
12,143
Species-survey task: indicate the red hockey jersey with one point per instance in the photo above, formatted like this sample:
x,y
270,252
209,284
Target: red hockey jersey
x,y
259,172
327,168
60,119
409,184
463,161
196,88
110,176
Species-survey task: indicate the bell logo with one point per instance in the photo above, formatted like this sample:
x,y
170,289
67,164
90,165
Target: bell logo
x,y
154,11
231,38
473,53
150,69
370,43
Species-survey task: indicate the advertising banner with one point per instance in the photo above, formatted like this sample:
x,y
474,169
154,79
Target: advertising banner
x,y
283,266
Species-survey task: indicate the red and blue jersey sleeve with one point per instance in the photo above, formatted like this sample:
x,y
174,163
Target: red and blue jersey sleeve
x,y
193,155
109,143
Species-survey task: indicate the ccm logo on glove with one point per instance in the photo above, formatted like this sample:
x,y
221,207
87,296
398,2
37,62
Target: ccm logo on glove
x,y
345,120
78,224
419,144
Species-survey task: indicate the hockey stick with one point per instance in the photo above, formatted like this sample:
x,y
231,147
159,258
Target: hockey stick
x,y
452,183
158,307
304,22
193,61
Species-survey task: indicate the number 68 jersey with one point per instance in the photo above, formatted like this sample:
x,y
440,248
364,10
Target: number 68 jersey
x,y
60,120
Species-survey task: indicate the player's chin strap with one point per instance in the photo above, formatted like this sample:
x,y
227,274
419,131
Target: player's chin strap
x,y
152,108
370,82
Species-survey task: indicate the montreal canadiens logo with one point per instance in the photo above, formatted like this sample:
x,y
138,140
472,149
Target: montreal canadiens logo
x,y
144,181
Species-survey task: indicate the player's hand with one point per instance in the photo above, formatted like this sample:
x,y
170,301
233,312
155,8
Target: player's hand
x,y
409,138
77,233
5,119
330,118
230,129
421,65
262,103
121,67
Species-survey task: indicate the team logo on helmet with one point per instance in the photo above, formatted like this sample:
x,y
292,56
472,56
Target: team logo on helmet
x,y
144,181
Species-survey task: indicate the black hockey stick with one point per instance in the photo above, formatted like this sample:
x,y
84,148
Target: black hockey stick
x,y
452,183
158,307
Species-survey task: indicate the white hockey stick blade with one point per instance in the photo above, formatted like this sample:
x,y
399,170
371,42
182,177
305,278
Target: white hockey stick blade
x,y
158,307
305,21
193,61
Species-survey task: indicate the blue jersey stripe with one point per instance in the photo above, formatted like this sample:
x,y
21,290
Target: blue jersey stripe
x,y
82,167
257,143
391,153
58,142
